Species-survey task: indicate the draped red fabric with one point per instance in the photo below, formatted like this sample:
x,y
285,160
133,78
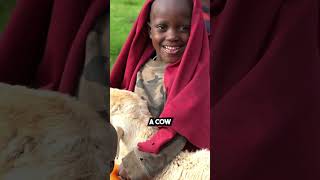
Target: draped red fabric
x,y
43,44
186,81
266,88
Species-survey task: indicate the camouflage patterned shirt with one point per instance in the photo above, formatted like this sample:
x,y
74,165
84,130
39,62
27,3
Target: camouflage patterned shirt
x,y
149,85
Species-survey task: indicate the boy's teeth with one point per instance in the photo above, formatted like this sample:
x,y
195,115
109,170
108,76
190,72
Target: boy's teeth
x,y
171,47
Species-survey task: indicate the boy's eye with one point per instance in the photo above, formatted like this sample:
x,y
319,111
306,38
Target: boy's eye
x,y
161,27
184,28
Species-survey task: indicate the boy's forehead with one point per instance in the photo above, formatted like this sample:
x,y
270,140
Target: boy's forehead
x,y
174,5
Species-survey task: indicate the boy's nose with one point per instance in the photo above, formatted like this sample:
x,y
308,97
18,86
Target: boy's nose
x,y
172,35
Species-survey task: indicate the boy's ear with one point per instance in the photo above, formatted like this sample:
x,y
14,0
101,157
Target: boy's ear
x,y
149,30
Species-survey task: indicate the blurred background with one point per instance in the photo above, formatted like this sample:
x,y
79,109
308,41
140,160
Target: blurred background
x,y
122,16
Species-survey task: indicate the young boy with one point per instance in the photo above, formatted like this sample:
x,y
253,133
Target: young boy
x,y
165,60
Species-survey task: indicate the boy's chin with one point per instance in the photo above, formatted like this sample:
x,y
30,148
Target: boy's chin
x,y
171,60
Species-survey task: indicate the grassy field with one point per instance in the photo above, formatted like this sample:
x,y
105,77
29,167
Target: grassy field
x,y
122,16
5,9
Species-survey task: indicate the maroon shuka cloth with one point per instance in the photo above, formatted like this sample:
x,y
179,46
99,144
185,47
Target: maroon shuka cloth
x,y
43,44
186,81
266,88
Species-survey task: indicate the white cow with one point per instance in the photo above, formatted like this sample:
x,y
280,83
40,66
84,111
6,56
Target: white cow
x,y
129,115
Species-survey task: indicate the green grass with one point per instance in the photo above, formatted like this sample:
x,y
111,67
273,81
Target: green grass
x,y
123,13
6,7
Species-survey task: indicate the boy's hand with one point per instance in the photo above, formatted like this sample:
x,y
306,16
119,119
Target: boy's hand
x,y
160,138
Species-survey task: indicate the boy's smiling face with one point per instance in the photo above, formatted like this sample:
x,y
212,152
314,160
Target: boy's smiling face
x,y
170,24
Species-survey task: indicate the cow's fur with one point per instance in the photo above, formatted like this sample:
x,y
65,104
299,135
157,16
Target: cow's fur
x,y
129,115
47,135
